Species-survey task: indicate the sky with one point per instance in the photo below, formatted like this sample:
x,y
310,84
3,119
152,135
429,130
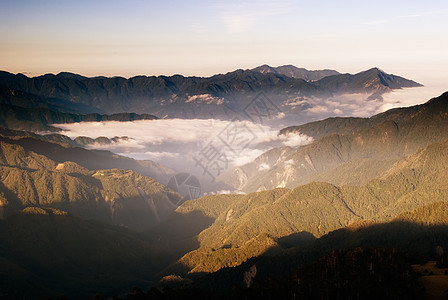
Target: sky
x,y
136,37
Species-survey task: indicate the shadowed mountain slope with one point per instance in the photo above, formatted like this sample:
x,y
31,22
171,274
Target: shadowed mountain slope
x,y
70,256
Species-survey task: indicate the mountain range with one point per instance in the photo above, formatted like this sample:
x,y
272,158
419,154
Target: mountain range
x,y
294,72
218,96
346,150
357,213
401,204
42,119
243,226
115,196
37,170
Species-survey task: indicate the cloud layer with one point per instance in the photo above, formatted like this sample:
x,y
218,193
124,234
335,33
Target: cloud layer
x,y
179,143
300,110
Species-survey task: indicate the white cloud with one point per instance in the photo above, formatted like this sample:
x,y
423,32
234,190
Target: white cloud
x,y
411,96
205,98
318,109
263,167
176,143
290,162
246,156
306,109
296,140
227,192
337,111
160,155
280,115
291,139
153,132
297,101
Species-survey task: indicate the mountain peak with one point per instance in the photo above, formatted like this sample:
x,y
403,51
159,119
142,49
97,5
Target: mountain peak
x,y
68,75
372,80
295,72
264,69
375,70
264,66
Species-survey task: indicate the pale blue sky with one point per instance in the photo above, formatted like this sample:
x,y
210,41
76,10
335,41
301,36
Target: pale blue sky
x,y
128,38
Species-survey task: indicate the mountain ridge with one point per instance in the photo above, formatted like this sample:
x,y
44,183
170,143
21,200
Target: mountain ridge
x,y
178,96
385,137
294,72
43,119
413,191
86,183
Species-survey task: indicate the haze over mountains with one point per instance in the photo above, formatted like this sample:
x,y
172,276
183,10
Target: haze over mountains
x,y
343,205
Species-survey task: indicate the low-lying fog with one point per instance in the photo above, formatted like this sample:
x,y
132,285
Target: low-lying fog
x,y
182,144
207,147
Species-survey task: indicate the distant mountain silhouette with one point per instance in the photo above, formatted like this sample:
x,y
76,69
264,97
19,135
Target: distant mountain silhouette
x,y
188,97
42,119
294,72
373,80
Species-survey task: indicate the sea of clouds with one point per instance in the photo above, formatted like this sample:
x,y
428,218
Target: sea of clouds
x,y
183,144
176,143
303,110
